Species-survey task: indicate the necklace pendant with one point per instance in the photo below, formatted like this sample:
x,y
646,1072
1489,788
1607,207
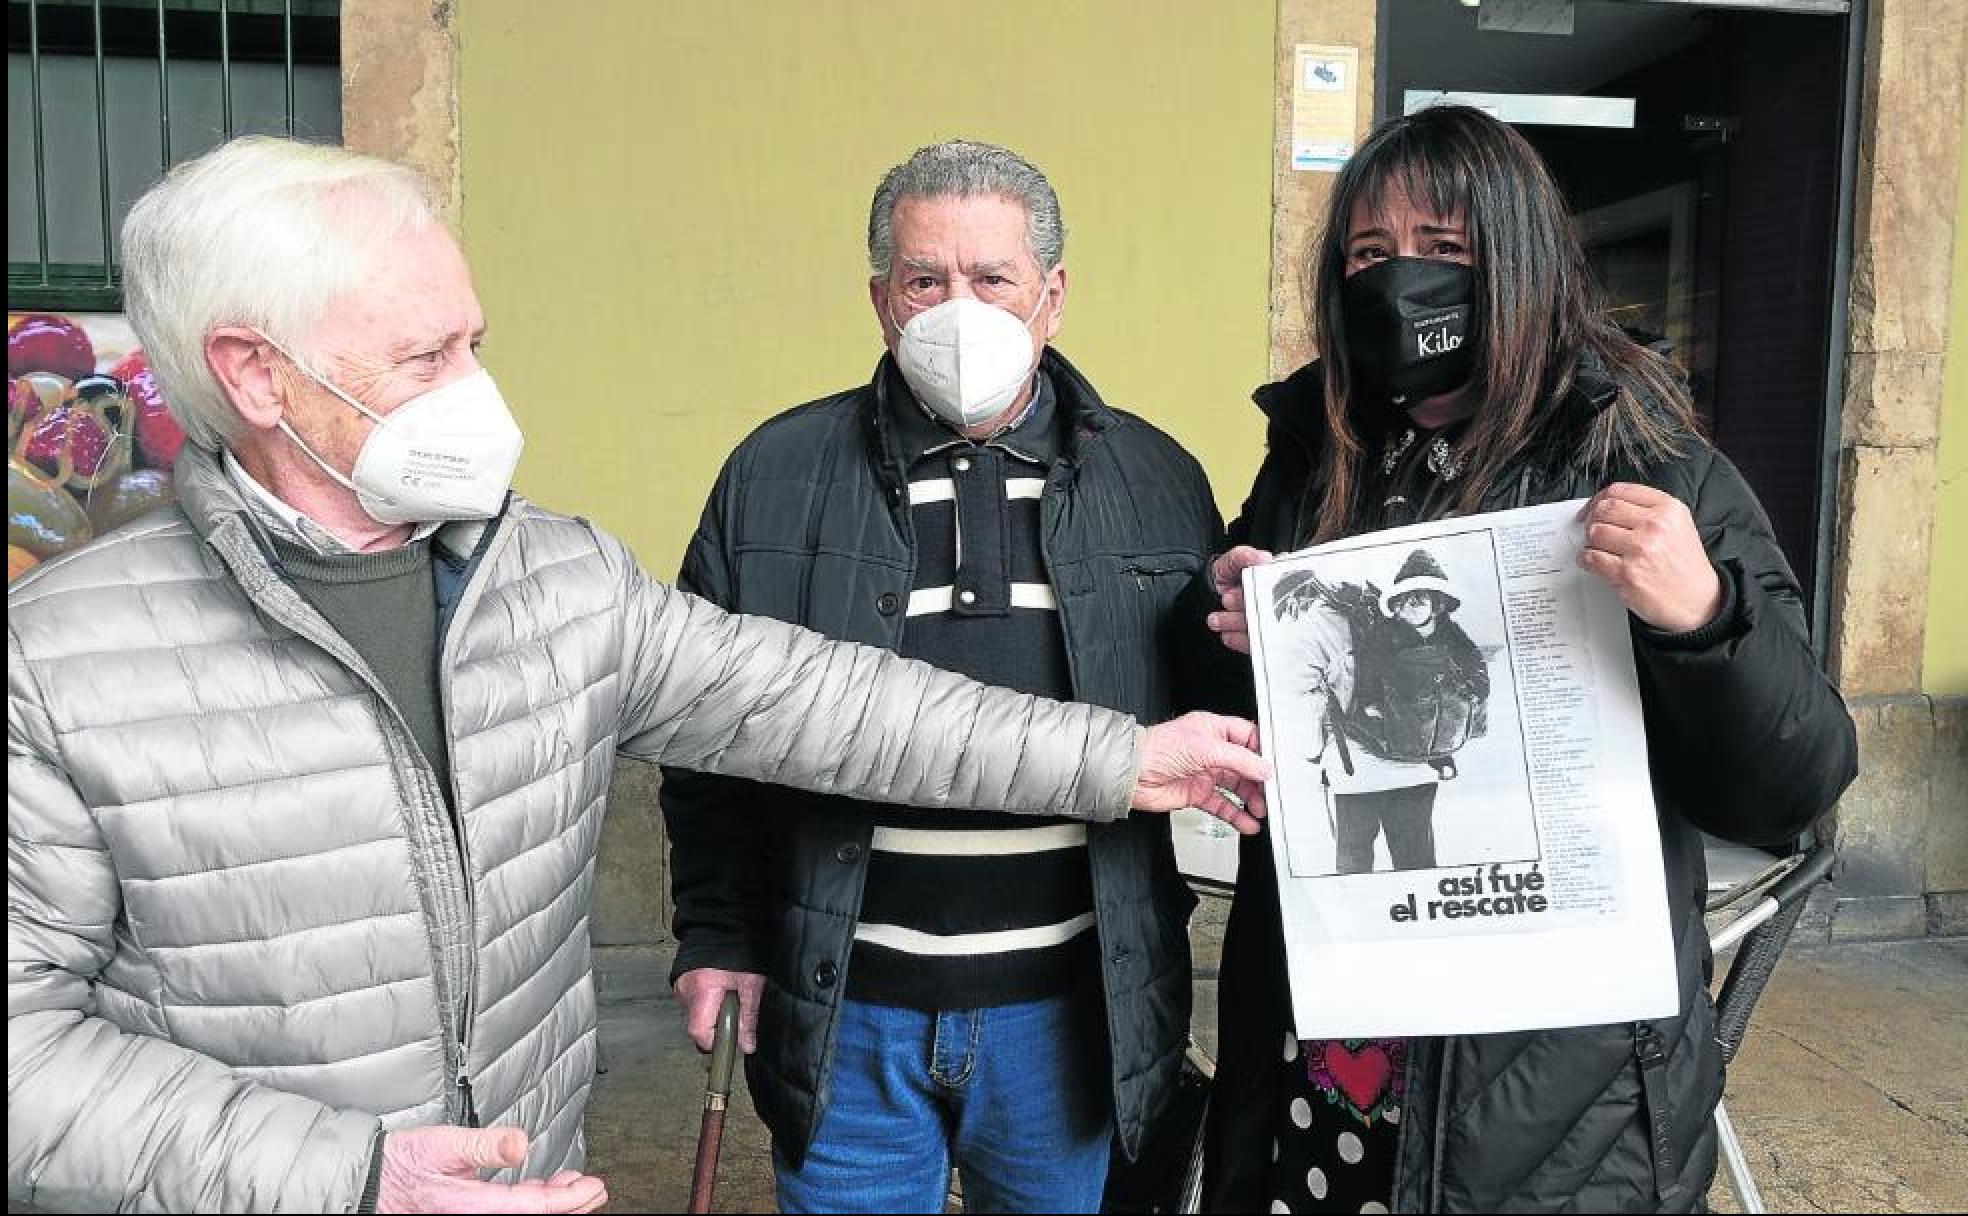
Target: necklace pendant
x,y
1392,456
1444,463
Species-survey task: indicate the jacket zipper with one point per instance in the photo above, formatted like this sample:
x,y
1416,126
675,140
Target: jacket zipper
x,y
468,595
1408,1071
1444,1087
258,575
1142,574
1651,1057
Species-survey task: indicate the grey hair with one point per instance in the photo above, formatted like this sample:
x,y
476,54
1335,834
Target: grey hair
x,y
960,168
259,231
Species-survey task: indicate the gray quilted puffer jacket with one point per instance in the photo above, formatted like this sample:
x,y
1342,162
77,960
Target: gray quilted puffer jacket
x,y
242,933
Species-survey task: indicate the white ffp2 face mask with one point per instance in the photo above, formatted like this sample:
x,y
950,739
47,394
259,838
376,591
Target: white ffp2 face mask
x,y
966,360
442,455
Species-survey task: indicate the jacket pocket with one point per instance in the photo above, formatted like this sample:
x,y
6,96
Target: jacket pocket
x,y
1142,572
1154,582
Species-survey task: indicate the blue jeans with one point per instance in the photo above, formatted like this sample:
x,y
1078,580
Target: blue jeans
x,y
1017,1096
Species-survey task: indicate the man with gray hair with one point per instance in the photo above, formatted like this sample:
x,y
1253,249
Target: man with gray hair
x,y
305,774
921,990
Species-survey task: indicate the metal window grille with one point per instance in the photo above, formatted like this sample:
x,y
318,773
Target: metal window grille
x,y
105,95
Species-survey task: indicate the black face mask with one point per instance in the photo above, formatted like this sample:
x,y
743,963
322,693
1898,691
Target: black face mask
x,y
1409,329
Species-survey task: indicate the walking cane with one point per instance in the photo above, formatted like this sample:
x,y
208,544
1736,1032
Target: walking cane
x,y
717,1093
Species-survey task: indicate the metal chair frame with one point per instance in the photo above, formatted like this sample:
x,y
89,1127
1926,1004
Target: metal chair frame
x,y
1770,904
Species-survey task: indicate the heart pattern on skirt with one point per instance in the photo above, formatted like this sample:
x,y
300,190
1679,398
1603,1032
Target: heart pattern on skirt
x,y
1362,1075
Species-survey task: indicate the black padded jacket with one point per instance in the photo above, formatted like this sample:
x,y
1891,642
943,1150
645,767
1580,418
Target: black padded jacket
x,y
809,522
1746,739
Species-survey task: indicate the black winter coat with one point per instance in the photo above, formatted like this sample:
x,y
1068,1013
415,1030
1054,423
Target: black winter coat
x,y
809,522
1746,739
1428,694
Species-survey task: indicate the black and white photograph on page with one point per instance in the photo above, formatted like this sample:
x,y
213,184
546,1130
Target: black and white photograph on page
x,y
1399,720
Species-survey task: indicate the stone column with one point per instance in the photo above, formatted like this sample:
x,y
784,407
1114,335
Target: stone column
x,y
1910,149
1298,197
400,89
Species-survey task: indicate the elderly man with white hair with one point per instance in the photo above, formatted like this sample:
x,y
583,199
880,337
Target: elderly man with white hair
x,y
305,773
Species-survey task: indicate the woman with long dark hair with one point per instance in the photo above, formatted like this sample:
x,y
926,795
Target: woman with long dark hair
x,y
1469,366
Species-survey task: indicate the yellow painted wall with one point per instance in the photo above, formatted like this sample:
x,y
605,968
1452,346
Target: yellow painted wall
x,y
666,206
1945,665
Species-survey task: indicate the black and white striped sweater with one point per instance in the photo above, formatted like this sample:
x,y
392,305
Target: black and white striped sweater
x,y
967,910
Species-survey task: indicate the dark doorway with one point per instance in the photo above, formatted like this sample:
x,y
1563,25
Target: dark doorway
x,y
1711,219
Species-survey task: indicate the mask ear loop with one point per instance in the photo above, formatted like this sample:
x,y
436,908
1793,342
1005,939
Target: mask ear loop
x,y
1045,289
1025,413
1037,308
323,381
325,467
282,425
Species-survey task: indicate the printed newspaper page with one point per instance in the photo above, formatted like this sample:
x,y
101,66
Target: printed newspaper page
x,y
1461,815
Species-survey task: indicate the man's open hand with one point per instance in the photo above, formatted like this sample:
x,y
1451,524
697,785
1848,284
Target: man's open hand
x,y
436,1169
1205,761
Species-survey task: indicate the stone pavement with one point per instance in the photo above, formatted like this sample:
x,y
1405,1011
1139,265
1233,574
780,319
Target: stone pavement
x,y
1851,1089
1850,1093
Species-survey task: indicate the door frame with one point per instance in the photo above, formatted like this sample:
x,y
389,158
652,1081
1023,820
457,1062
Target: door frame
x,y
1832,417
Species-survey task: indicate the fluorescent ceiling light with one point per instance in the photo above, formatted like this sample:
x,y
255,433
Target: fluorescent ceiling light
x,y
1544,109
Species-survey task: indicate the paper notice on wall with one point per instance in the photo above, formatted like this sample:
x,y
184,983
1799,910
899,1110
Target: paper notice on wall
x,y
1461,814
1325,105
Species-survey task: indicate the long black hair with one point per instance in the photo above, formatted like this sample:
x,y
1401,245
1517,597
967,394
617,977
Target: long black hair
x,y
1537,309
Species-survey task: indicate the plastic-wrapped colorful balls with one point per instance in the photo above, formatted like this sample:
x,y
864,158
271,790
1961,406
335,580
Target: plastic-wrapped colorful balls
x,y
43,519
158,434
42,342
